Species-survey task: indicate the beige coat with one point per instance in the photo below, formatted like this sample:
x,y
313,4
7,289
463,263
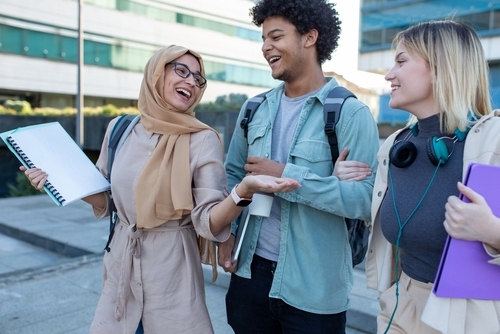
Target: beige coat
x,y
454,316
156,274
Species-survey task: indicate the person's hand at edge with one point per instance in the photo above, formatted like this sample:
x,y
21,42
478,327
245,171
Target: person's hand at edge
x,y
471,221
36,176
225,253
350,170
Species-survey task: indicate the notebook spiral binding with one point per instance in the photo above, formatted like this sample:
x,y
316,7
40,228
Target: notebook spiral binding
x,y
30,164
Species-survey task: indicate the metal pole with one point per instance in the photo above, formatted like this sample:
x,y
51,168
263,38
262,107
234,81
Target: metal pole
x,y
79,93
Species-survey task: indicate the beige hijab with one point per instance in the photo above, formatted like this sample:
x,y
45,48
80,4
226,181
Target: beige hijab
x,y
163,190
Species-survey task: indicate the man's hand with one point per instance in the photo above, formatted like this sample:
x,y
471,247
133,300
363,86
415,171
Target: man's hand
x,y
225,252
263,166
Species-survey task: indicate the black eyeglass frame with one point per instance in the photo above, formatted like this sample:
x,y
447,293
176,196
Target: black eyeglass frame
x,y
196,75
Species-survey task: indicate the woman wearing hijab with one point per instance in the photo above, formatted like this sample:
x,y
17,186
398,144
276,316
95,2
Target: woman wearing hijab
x,y
170,191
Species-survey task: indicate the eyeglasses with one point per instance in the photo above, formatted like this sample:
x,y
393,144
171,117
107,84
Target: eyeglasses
x,y
184,72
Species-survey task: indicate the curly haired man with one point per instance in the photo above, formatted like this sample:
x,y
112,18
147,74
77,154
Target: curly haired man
x,y
294,271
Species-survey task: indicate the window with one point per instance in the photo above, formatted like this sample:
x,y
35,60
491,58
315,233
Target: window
x,y
11,39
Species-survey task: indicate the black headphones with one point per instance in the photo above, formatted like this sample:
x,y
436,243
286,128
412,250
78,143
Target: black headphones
x,y
403,153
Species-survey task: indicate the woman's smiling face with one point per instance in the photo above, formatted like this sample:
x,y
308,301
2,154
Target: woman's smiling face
x,y
411,84
181,92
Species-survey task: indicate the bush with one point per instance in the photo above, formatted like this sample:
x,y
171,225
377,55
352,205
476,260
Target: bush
x,y
21,107
5,111
22,187
224,102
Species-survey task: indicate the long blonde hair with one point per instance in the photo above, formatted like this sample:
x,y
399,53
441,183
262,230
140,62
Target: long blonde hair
x,y
458,66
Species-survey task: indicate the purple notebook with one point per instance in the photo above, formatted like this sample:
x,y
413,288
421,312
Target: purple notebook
x,y
464,271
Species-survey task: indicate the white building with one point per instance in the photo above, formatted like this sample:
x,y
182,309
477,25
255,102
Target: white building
x,y
39,38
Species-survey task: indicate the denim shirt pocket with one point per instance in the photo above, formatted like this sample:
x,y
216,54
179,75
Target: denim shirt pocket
x,y
256,139
313,154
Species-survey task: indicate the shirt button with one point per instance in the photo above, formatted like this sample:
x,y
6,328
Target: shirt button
x,y
266,155
149,153
385,162
251,246
379,194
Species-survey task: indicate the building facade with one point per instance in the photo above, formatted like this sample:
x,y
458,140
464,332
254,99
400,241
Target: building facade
x,y
381,20
39,43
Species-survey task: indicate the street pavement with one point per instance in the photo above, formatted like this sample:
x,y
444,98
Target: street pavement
x,y
51,272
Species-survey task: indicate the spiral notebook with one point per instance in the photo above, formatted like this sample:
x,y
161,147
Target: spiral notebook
x,y
464,271
48,146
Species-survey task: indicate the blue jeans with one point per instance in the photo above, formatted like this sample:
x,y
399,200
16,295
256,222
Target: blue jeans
x,y
140,329
251,311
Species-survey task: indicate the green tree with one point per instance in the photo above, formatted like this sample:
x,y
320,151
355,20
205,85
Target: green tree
x,y
233,101
22,187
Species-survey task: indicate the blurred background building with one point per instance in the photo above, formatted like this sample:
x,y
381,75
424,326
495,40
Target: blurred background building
x,y
381,20
38,47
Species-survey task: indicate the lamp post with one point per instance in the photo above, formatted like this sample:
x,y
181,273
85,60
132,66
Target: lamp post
x,y
79,93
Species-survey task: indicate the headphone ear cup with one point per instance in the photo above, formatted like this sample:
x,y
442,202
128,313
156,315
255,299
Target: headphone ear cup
x,y
402,154
437,151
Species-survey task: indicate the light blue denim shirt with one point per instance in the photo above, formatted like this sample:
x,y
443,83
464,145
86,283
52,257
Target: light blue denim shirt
x,y
314,270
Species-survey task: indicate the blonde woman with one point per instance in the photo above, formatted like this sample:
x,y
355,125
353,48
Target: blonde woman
x,y
440,76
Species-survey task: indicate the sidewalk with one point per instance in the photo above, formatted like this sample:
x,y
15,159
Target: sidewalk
x,y
51,272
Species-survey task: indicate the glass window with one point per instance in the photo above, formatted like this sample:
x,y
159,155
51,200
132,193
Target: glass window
x,y
123,5
69,49
138,8
495,75
153,13
251,35
102,3
137,59
496,19
390,33
59,101
44,45
479,21
102,54
11,39
119,56
89,52
369,38
167,16
40,44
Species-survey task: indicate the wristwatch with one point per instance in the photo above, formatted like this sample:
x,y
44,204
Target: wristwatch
x,y
238,200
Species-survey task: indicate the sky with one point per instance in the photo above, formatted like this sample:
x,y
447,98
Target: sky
x,y
345,58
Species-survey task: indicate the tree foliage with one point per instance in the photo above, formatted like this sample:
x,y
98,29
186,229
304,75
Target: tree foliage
x,y
232,101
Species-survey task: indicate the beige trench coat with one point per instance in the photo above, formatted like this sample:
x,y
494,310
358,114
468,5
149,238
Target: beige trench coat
x,y
156,275
453,316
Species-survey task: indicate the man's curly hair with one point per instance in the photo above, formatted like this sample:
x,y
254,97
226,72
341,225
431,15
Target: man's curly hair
x,y
304,15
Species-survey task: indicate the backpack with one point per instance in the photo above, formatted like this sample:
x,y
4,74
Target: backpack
x,y
358,230
120,131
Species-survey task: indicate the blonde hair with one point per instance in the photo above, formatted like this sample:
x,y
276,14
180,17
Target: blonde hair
x,y
458,66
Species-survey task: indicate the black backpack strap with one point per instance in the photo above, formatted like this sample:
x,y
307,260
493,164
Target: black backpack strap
x,y
122,127
333,105
116,134
251,107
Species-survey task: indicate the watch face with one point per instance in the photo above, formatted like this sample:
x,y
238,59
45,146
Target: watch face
x,y
244,202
